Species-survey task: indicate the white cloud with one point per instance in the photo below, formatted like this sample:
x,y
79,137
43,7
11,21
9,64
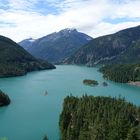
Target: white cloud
x,y
87,16
104,28
21,4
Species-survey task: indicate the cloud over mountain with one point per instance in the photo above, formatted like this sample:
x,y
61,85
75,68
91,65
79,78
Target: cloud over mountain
x,y
36,18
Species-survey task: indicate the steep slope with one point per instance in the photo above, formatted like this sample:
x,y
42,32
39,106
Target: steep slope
x,y
131,55
109,48
57,46
14,60
26,43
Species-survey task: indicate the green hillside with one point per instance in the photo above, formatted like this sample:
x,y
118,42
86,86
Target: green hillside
x,y
15,61
122,73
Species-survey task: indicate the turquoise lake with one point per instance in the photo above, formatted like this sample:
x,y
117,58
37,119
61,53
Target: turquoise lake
x,y
31,114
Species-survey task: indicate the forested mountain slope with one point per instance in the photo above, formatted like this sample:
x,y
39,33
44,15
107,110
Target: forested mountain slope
x,y
122,72
15,61
121,47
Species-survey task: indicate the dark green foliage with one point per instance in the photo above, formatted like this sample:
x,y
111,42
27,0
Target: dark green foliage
x,y
4,99
15,61
90,82
56,46
121,47
99,118
122,73
133,134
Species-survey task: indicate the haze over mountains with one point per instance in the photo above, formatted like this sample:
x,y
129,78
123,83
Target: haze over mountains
x,y
70,47
15,61
56,46
121,47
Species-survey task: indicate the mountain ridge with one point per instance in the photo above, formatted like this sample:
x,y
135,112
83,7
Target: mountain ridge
x,y
106,49
58,45
15,61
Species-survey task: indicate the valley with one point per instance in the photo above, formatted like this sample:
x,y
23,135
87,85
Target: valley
x,y
31,114
116,58
69,69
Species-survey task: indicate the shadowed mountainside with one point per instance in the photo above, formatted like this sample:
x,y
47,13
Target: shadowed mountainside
x,y
15,61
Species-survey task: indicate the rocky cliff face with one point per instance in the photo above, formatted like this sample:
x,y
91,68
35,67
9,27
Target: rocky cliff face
x,y
109,49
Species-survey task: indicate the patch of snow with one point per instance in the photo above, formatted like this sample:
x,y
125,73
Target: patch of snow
x,y
88,38
31,40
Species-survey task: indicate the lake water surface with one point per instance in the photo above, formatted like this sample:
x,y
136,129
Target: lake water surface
x,y
31,114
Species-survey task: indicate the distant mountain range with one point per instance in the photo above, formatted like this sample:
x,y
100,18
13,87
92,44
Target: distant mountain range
x,y
15,61
56,46
121,47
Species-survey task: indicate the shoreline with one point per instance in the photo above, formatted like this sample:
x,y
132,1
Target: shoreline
x,y
137,83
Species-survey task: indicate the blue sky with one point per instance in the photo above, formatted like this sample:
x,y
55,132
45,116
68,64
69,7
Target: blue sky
x,y
20,19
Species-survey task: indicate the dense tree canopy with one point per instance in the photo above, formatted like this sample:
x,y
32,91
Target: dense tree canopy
x,y
99,118
15,61
122,73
